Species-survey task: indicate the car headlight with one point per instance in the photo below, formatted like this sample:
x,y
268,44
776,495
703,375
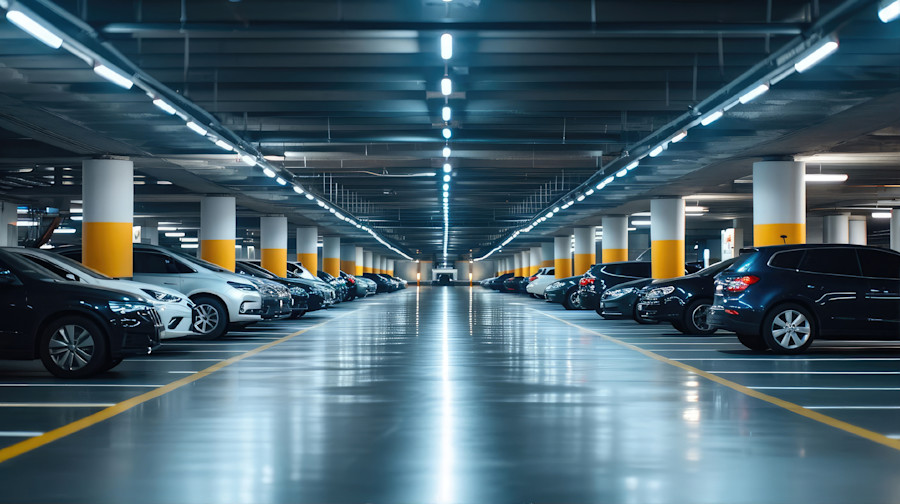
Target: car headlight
x,y
554,286
617,293
297,291
162,297
659,292
243,286
122,307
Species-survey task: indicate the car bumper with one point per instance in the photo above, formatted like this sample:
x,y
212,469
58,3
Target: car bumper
x,y
176,320
663,310
619,308
555,296
135,334
747,321
590,300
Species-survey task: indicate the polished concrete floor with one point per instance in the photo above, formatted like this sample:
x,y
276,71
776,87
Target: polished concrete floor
x,y
440,395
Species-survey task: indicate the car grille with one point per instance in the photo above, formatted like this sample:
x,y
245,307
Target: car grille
x,y
154,317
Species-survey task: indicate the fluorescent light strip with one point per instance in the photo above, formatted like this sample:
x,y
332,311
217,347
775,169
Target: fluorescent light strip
x,y
711,118
656,151
826,177
196,128
446,113
881,215
165,107
446,46
888,10
33,27
754,93
113,76
446,86
223,144
816,56
679,137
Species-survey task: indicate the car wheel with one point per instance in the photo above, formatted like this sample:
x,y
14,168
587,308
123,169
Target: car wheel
x,y
210,318
642,320
113,363
788,329
299,314
753,341
678,327
74,347
572,300
532,295
696,316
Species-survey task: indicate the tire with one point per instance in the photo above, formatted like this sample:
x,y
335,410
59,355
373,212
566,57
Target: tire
x,y
678,327
572,301
210,318
295,316
641,320
532,295
695,316
753,342
74,347
788,329
113,363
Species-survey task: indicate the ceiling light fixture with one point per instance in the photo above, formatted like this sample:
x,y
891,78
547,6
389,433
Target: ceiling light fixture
x,y
446,187
72,230
445,114
826,177
269,173
177,234
640,223
446,178
248,159
309,196
298,189
888,10
580,197
679,137
632,165
446,46
621,173
447,168
446,86
165,107
447,152
33,27
881,215
754,93
815,56
447,133
113,76
656,151
223,144
711,118
281,181
196,128
589,192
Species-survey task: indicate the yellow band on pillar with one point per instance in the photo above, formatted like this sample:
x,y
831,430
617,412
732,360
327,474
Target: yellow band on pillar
x,y
309,261
359,269
614,255
219,252
668,258
332,266
275,260
583,262
348,267
770,234
106,247
547,263
563,268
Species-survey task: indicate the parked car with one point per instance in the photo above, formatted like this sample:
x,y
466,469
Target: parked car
x,y
565,292
496,283
784,297
683,301
299,297
514,284
364,286
338,284
384,284
219,298
174,308
620,302
75,329
540,280
357,290
443,279
403,283
604,276
321,295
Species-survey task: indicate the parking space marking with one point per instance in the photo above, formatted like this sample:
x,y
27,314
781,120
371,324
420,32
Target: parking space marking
x,y
875,389
54,405
118,385
853,407
105,414
19,433
163,359
781,403
810,372
788,359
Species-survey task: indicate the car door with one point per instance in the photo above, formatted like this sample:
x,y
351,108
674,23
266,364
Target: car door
x,y
157,269
830,278
13,304
881,270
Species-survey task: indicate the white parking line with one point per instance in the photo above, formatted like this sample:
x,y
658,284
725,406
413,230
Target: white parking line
x,y
121,385
13,433
887,389
790,359
808,372
163,359
852,407
183,372
56,405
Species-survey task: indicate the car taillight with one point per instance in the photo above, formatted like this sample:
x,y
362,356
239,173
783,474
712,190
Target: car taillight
x,y
532,278
740,283
586,281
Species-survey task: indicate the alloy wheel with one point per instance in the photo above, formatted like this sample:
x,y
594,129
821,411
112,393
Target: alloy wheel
x,y
71,347
206,319
699,317
791,329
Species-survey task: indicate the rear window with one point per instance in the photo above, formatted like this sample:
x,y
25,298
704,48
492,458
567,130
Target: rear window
x,y
789,259
879,263
636,270
832,261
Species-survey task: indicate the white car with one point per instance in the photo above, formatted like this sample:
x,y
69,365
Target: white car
x,y
543,278
175,309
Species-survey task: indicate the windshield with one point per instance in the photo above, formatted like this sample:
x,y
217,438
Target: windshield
x,y
81,268
299,271
257,270
201,262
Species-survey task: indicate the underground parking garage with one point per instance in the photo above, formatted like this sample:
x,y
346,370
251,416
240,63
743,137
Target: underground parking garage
x,y
449,251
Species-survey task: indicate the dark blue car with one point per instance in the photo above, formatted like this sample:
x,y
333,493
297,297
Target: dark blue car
x,y
784,297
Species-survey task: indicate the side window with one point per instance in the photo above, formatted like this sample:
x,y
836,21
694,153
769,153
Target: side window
x,y
54,268
879,263
176,266
550,271
789,259
835,261
612,269
151,263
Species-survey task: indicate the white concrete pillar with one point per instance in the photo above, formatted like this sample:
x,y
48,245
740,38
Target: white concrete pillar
x,y
547,255
368,260
585,249
537,262
308,248
360,258
615,238
9,232
426,271
390,267
331,255
273,240
108,196
348,259
779,203
895,229
667,237
859,234
837,228
218,218
517,264
562,256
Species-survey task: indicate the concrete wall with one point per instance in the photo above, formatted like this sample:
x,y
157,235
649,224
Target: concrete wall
x,y
406,270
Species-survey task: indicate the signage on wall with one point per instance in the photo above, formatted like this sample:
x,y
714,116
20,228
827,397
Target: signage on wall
x,y
727,243
135,234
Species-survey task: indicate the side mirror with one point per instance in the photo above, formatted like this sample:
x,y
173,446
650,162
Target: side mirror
x,y
70,276
7,278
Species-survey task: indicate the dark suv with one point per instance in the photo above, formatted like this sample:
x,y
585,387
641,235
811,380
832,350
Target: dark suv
x,y
784,297
603,276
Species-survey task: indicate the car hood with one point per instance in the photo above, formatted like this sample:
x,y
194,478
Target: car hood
x,y
88,292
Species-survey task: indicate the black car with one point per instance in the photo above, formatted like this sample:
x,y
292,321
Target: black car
x,y
443,279
383,284
514,284
299,294
683,301
321,294
496,283
603,276
338,284
784,297
75,329
565,292
620,302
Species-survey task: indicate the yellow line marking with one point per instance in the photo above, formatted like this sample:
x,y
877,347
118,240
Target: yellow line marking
x,y
100,416
781,403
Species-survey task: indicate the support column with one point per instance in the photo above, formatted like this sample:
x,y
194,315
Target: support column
x,y
779,203
108,196
9,232
585,249
273,238
331,255
368,258
426,268
517,264
526,262
348,259
859,234
536,260
895,229
667,237
547,255
837,228
390,267
562,256
308,248
360,258
217,234
376,264
615,238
